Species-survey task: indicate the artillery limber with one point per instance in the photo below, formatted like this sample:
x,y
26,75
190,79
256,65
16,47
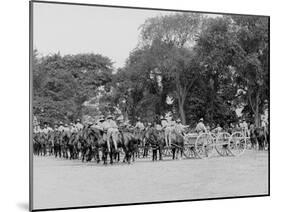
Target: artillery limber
x,y
206,145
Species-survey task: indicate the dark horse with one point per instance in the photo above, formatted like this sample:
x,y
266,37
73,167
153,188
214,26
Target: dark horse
x,y
57,144
90,141
125,141
177,143
155,140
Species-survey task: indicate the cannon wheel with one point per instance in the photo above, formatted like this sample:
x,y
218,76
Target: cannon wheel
x,y
189,151
204,145
167,152
222,144
237,143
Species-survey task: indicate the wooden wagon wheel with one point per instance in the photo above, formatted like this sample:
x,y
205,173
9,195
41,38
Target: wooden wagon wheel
x,y
237,143
167,152
189,151
222,144
204,145
189,146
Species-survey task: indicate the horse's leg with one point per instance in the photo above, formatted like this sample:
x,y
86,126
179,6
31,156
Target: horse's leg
x,y
111,154
129,158
135,154
90,154
83,154
174,153
55,150
105,152
153,154
45,150
118,156
58,150
144,151
98,154
70,151
160,153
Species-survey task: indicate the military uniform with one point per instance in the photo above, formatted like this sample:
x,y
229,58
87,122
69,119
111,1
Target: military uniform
x,y
244,127
111,127
179,127
167,130
201,127
79,126
140,126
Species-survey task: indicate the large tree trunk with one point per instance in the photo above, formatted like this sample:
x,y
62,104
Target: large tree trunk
x,y
182,113
256,112
255,107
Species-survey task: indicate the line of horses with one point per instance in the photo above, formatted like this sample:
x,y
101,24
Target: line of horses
x,y
90,144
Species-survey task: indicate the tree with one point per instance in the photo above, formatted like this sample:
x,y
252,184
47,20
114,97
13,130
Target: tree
x,y
62,85
252,34
218,51
169,39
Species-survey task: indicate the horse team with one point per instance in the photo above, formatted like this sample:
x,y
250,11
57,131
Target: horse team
x,y
88,143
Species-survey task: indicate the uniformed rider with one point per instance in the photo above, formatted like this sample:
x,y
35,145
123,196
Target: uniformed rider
x,y
110,127
78,125
200,128
179,127
139,125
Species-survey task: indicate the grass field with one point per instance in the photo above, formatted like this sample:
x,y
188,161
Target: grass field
x,y
65,183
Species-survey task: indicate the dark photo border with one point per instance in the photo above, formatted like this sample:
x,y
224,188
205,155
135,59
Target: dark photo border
x,y
31,105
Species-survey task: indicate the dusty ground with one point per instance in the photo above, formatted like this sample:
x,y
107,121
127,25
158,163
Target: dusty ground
x,y
64,183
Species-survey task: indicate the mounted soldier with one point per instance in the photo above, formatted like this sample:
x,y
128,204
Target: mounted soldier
x,y
179,127
78,125
166,129
218,129
200,127
111,129
139,129
139,125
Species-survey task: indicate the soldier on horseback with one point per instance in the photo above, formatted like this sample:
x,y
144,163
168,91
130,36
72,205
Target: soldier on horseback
x,y
166,129
78,125
139,125
110,127
179,127
200,127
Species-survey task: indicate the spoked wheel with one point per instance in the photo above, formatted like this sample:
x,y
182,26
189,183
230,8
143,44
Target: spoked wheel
x,y
204,145
222,144
145,152
167,152
237,143
189,151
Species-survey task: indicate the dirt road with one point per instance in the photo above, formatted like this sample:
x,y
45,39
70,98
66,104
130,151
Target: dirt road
x,y
65,183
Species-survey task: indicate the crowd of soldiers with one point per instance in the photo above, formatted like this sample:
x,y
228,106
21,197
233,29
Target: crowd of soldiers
x,y
56,140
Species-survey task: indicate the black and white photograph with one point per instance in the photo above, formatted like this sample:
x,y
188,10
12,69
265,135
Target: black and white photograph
x,y
143,105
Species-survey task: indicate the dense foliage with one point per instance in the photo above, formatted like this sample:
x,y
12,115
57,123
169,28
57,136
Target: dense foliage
x,y
189,65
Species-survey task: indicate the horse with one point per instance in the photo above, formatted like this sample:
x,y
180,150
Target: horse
x,y
65,136
261,138
139,136
177,143
130,145
57,144
155,140
73,154
125,141
36,144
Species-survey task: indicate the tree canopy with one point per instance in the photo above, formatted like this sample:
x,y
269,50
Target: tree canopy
x,y
185,64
